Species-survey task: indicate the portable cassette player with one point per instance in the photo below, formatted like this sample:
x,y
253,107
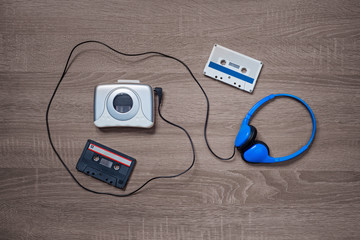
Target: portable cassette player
x,y
124,104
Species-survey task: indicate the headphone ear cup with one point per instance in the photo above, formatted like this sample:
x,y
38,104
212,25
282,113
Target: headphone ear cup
x,y
254,131
259,152
267,147
250,141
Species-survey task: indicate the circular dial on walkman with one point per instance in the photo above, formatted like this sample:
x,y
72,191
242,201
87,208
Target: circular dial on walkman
x,y
123,104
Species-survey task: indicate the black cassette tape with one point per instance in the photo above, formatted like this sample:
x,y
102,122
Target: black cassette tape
x,y
106,164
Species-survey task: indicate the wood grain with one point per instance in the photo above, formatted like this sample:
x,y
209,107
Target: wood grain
x,y
309,49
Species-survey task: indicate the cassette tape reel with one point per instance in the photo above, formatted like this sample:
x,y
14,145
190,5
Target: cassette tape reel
x,y
233,68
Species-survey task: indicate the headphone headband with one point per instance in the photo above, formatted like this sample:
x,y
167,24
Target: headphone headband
x,y
268,98
256,106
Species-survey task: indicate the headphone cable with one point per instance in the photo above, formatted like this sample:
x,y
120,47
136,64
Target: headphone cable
x,y
158,91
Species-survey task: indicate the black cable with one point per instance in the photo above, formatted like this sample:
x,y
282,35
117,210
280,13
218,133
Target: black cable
x,y
66,68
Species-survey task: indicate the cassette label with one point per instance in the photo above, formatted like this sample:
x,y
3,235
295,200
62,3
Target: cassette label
x,y
106,164
233,68
106,153
231,72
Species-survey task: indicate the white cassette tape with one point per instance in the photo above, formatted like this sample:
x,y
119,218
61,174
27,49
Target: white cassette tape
x,y
233,68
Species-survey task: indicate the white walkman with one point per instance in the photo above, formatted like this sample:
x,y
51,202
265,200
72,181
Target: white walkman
x,y
124,104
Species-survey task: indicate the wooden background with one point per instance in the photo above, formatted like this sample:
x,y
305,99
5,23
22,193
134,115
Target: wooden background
x,y
309,48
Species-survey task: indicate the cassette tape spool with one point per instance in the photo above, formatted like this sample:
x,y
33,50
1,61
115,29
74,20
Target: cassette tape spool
x,y
233,68
106,164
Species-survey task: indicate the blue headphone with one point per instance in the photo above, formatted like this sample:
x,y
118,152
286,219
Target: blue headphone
x,y
258,152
